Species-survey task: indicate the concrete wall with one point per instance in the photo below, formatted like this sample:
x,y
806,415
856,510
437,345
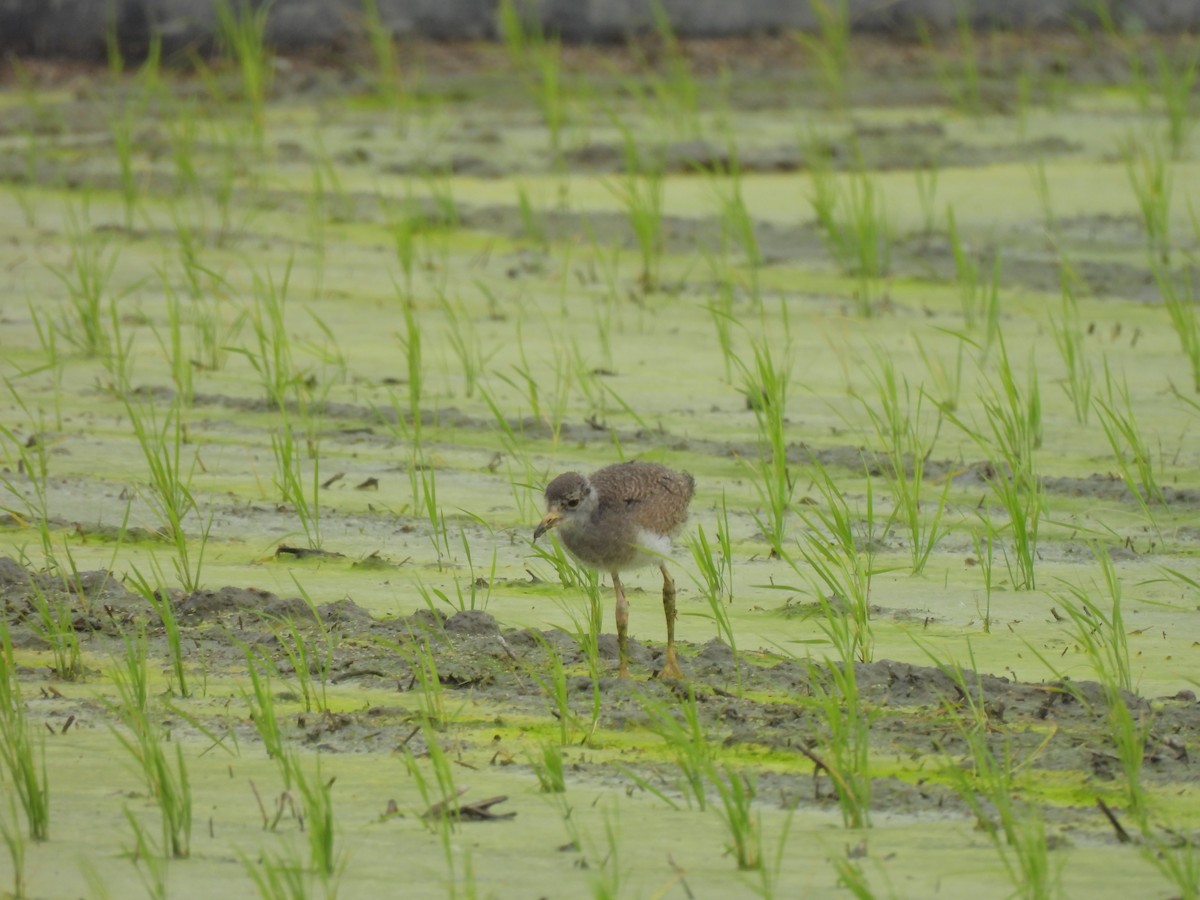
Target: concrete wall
x,y
76,28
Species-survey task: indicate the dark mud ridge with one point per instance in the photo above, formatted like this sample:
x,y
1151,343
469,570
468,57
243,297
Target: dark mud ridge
x,y
78,28
1052,729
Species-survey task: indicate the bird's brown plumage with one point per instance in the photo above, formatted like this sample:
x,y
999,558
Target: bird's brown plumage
x,y
623,516
636,500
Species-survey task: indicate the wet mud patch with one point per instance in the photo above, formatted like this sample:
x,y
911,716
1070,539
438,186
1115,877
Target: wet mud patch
x,y
761,710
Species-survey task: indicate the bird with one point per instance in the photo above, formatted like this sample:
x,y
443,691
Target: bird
x,y
622,517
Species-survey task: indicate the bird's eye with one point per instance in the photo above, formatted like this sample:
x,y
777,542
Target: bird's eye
x,y
572,503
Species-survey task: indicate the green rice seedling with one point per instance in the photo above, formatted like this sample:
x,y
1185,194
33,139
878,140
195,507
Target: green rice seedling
x,y
1177,858
721,311
86,278
551,677
423,482
23,756
170,496
464,340
410,341
279,876
839,564
295,488
121,125
674,90
606,875
960,80
14,842
440,797
147,853
418,653
1023,507
317,802
1176,85
640,193
766,388
830,47
548,767
1151,179
1181,309
28,496
1133,457
386,79
304,658
1012,434
1041,188
716,580
167,784
926,178
736,792
1068,336
54,623
983,539
271,356
853,221
683,733
261,705
173,346
847,724
533,222
158,596
902,428
716,569
1100,632
538,58
241,32
946,378
967,273
1018,829
737,225
1013,415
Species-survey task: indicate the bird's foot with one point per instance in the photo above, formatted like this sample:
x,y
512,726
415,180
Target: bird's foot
x,y
670,670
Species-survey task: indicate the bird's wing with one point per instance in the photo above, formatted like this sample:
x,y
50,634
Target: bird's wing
x,y
654,496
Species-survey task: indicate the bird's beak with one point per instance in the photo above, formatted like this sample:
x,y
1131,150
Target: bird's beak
x,y
548,521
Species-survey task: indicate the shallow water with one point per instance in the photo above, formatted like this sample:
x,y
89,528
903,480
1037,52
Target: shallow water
x,y
579,365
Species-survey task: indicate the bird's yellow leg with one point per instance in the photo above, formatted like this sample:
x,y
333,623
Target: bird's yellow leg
x,y
670,667
622,625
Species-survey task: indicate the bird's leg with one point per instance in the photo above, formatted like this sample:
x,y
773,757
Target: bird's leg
x,y
670,667
622,624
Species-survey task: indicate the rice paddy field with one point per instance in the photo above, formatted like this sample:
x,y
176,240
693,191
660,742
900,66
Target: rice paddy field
x,y
289,349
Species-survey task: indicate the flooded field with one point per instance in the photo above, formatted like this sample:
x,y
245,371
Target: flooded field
x,y
290,351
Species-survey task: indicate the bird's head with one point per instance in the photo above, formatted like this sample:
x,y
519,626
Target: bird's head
x,y
568,497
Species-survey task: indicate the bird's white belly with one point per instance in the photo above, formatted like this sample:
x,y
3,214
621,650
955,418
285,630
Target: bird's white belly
x,y
653,549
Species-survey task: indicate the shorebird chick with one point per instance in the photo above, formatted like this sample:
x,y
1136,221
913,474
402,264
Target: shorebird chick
x,y
622,517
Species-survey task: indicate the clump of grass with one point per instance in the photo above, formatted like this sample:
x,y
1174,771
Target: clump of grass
x,y
1017,829
852,217
167,784
765,385
847,722
22,755
538,58
716,578
1099,629
640,193
830,47
170,496
1181,309
902,427
1152,180
837,559
1068,336
1133,456
241,31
